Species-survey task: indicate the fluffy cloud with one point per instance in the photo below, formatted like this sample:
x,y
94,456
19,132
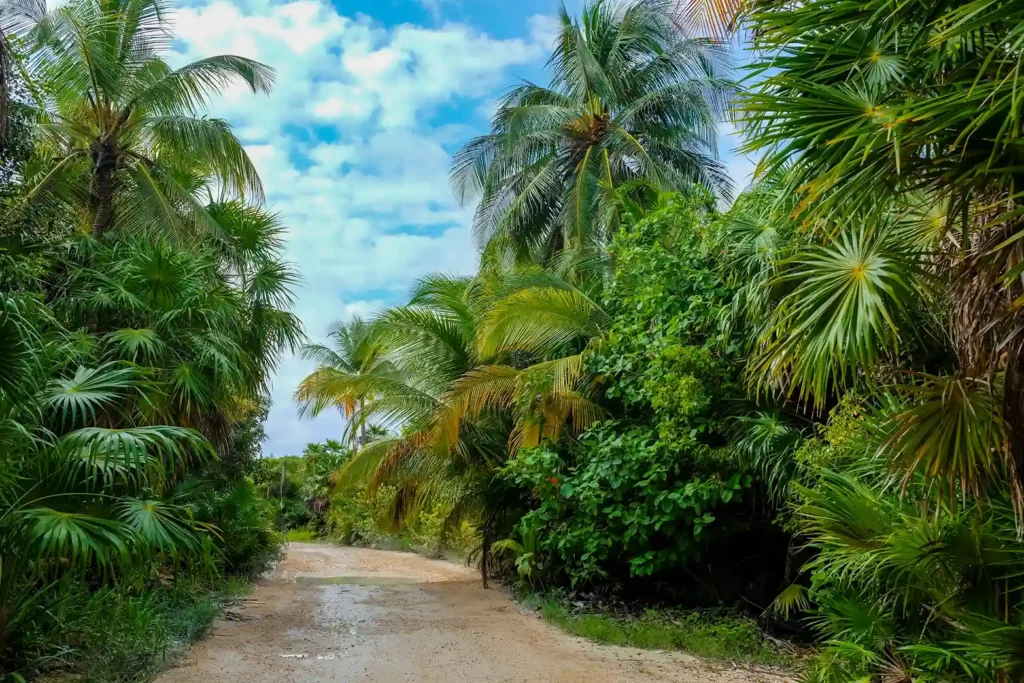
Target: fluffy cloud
x,y
353,146
349,71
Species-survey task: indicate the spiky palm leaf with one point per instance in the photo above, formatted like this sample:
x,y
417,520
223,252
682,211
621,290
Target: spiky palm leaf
x,y
844,313
124,135
630,98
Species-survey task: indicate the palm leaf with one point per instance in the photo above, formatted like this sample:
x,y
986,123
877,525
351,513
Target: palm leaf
x,y
90,389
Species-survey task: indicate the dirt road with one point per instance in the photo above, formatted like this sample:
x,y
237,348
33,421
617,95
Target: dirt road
x,y
352,614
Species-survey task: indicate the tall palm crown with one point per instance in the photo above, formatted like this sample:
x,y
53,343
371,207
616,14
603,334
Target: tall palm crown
x,y
395,368
120,137
353,352
630,100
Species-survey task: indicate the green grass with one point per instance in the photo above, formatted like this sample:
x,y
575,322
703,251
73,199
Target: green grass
x,y
119,636
718,635
301,536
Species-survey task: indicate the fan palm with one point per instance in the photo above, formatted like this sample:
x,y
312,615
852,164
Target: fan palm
x,y
630,98
907,594
87,493
172,312
122,139
249,248
99,425
897,130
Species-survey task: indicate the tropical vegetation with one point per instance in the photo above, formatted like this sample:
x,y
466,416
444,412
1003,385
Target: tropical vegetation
x,y
805,404
313,504
144,309
800,406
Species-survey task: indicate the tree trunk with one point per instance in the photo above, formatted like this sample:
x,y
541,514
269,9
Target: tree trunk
x,y
4,100
363,427
104,168
1013,413
485,553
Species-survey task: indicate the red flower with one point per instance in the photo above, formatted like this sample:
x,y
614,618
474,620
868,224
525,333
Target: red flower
x,y
554,480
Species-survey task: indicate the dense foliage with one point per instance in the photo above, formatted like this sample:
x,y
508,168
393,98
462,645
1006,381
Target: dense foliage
x,y
661,488
141,321
313,503
808,404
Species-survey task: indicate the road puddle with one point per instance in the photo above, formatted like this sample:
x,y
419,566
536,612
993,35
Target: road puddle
x,y
356,580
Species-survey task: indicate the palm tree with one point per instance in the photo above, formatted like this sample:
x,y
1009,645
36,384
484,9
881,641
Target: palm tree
x,y
209,320
530,348
459,371
84,472
897,133
892,297
355,353
630,99
122,140
719,18
249,249
393,370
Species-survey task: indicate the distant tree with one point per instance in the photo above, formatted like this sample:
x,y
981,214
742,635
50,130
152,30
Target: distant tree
x,y
353,353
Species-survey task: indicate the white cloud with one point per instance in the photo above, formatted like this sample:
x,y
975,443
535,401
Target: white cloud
x,y
544,28
354,151
352,69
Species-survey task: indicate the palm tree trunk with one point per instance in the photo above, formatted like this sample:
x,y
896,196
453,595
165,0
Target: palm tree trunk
x,y
485,552
362,428
4,101
1013,411
104,167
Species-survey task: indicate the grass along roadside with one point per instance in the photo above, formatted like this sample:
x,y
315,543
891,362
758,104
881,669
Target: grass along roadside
x,y
710,635
118,635
303,535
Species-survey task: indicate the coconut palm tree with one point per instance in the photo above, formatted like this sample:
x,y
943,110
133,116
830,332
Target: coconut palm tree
x,y
393,369
630,99
460,372
355,352
122,139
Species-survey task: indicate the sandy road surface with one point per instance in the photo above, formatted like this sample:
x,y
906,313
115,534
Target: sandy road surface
x,y
368,615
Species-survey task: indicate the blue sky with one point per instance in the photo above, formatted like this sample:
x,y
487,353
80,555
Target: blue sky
x,y
353,145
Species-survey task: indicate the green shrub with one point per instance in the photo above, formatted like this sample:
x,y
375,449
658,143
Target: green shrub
x,y
627,506
356,517
246,543
350,518
301,535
